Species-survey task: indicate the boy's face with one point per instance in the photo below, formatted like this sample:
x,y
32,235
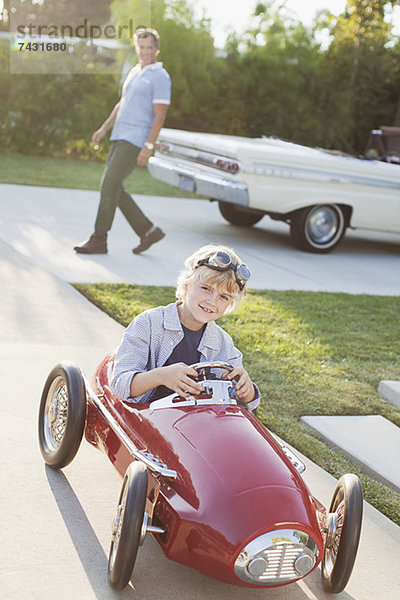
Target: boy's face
x,y
203,303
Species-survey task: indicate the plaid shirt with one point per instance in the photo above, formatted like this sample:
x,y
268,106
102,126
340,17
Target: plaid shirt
x,y
149,340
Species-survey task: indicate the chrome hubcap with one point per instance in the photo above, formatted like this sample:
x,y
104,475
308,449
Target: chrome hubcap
x,y
56,414
322,224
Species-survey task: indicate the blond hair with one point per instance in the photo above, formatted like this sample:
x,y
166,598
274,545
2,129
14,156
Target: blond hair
x,y
225,280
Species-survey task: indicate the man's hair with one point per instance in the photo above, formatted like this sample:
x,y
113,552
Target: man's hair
x,y
144,33
221,279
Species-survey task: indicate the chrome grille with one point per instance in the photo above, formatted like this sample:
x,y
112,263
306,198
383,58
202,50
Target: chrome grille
x,y
281,562
277,557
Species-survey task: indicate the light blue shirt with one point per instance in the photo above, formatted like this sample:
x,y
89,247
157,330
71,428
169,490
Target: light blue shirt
x,y
142,88
149,340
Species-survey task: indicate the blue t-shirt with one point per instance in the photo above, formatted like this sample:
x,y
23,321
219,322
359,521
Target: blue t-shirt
x,y
186,352
142,88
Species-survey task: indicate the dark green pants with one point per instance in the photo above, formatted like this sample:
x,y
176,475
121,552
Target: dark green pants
x,y
121,161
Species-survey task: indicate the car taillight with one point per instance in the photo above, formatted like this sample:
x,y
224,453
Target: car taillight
x,y
162,147
226,165
198,156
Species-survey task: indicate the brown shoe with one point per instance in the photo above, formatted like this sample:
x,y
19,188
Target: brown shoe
x,y
155,235
96,244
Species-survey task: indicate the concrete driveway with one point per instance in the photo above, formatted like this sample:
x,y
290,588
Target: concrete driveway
x,y
56,525
45,223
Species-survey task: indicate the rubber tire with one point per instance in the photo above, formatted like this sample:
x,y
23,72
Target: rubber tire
x,y
301,233
68,375
238,216
133,493
349,491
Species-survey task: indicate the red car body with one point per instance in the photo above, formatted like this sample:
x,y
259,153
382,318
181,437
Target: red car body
x,y
234,484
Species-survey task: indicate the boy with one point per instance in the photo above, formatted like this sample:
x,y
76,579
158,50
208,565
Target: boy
x,y
158,346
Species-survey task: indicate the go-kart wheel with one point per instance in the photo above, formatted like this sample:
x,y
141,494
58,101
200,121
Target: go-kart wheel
x,y
127,526
62,415
342,533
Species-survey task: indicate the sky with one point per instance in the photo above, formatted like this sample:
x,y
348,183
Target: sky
x,y
234,14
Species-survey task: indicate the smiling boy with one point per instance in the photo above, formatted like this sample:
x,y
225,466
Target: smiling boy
x,y
158,347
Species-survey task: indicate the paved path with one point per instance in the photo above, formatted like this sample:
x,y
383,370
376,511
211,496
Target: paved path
x,y
44,224
370,441
56,526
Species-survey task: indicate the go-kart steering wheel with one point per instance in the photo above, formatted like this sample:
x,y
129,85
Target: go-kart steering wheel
x,y
206,366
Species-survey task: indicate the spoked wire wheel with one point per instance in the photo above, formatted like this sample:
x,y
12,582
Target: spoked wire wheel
x,y
343,528
56,414
62,415
127,528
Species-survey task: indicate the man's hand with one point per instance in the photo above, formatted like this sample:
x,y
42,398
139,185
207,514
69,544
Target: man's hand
x,y
143,158
177,377
244,386
108,123
160,112
98,136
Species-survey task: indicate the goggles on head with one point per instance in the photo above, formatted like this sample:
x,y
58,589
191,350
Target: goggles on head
x,y
221,261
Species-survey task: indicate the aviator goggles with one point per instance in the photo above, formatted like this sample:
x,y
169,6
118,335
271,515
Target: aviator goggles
x,y
221,261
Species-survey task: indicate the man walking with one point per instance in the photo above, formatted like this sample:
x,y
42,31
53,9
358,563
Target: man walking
x,y
136,121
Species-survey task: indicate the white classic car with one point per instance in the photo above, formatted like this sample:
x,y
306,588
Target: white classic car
x,y
319,193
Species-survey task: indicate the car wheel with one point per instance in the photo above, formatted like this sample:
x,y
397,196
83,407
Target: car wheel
x,y
318,228
62,415
239,216
127,525
342,533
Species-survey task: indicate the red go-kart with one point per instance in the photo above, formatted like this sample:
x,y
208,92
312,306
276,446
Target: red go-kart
x,y
206,479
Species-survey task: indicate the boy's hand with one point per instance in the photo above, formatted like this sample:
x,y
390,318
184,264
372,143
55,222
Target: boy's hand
x,y
177,377
244,386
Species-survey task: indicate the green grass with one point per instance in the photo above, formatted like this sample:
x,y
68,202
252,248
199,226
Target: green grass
x,y
310,353
76,174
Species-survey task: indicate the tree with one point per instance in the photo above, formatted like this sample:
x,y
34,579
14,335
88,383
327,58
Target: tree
x,y
276,79
282,80
43,113
287,85
363,66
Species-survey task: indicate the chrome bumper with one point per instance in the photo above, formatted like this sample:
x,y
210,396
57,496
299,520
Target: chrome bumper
x,y
204,184
277,557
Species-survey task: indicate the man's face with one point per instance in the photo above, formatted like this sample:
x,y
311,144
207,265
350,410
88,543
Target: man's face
x,y
146,50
